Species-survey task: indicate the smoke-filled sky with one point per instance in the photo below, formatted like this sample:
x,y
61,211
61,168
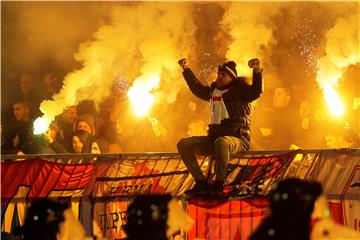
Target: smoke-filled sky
x,y
309,51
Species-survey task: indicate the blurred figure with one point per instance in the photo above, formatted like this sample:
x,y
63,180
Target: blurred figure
x,y
42,220
26,84
7,236
49,220
99,146
27,90
325,228
155,217
291,204
52,84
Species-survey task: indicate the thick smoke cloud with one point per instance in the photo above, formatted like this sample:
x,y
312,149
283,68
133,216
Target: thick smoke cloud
x,y
33,32
246,25
122,44
147,37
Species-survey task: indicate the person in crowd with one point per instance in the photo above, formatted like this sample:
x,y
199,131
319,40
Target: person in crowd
x,y
85,123
51,144
18,133
155,217
230,100
27,90
51,84
291,203
65,123
82,142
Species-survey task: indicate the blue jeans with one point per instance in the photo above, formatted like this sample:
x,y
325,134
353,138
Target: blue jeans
x,y
221,148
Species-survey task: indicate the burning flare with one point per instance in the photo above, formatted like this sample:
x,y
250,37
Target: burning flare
x,y
333,100
41,125
342,50
140,94
156,34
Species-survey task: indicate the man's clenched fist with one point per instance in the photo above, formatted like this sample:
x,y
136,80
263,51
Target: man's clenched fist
x,y
254,63
183,63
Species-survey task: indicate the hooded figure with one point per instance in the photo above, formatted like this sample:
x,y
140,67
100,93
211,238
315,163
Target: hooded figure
x,y
85,123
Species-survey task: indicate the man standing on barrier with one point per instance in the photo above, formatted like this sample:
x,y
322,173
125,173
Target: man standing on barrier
x,y
229,127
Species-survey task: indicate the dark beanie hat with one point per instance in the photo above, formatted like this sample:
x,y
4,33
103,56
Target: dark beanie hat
x,y
230,69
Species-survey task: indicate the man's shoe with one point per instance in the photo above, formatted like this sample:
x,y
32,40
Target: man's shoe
x,y
200,187
217,187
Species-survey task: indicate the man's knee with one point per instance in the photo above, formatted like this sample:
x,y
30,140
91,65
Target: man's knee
x,y
182,144
221,142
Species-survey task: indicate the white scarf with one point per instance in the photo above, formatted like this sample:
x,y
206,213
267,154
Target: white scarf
x,y
218,109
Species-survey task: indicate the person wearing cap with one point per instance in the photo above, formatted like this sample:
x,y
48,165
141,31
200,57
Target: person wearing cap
x,y
230,100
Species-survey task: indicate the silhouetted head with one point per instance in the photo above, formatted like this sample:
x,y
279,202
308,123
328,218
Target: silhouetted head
x,y
42,220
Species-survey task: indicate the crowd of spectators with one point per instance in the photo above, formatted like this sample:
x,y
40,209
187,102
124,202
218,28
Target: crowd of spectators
x,y
79,129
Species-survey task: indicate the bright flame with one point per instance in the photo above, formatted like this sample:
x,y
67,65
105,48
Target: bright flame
x,y
342,50
40,125
140,94
333,101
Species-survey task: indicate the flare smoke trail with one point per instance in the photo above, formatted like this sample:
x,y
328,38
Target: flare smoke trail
x,y
149,37
245,23
289,38
166,39
342,50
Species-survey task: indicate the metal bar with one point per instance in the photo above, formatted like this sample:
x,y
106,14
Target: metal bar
x,y
105,179
127,198
355,151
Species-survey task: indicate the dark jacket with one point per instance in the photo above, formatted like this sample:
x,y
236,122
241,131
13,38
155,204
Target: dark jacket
x,y
28,143
237,101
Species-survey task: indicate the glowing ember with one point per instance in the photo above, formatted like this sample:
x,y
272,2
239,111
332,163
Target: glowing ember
x,y
333,101
40,125
140,94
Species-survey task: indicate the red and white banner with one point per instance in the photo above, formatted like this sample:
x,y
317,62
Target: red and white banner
x,y
99,191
